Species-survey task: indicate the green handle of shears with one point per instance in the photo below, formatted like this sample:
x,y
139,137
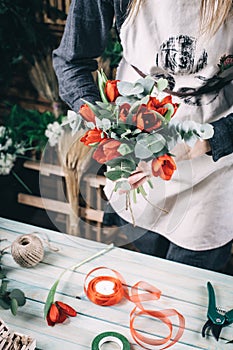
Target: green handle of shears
x,y
213,314
229,316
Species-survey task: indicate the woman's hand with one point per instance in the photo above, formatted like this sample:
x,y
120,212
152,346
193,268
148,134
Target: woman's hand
x,y
185,152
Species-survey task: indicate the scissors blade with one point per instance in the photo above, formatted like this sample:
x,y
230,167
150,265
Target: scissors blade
x,y
216,330
208,324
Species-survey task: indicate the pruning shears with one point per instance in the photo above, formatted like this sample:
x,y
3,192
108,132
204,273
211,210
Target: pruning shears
x,y
217,319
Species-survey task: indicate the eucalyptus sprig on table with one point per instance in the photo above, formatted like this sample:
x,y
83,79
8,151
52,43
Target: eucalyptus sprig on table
x,y
9,299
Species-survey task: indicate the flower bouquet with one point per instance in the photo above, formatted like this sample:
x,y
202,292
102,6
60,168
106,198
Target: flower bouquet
x,y
133,132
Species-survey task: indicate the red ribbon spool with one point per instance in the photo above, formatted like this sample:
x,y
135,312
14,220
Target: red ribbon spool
x,y
119,290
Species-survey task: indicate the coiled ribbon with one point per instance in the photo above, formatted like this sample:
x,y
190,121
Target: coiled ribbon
x,y
149,293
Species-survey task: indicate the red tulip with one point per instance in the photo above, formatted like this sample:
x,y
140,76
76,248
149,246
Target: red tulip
x,y
59,312
124,111
158,106
163,166
111,90
93,136
107,150
87,113
146,119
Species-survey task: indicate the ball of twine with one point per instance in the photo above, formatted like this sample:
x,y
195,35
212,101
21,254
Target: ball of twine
x,y
27,250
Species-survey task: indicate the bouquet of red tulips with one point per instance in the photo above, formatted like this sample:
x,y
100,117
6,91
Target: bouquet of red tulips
x,y
133,132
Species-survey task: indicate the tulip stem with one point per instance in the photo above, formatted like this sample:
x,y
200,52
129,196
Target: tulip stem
x,y
128,205
50,297
103,251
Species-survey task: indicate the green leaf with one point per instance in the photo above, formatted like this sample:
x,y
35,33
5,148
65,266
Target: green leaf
x,y
3,287
124,149
2,275
106,124
123,185
169,112
50,298
162,84
94,108
103,105
117,174
141,151
14,306
147,83
122,163
156,142
18,295
129,89
4,304
101,85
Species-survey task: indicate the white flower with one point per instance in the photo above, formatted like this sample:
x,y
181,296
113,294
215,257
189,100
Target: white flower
x,y
6,163
5,147
53,132
2,131
20,149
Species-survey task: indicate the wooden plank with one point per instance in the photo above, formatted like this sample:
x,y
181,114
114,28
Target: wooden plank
x,y
44,168
44,203
95,180
59,207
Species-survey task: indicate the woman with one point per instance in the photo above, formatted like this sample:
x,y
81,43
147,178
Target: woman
x,y
183,42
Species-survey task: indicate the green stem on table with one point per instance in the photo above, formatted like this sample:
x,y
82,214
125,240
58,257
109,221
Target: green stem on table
x,y
50,297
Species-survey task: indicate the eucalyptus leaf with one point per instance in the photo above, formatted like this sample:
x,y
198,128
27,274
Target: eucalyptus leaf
x,y
156,142
106,124
122,185
206,131
3,287
18,295
116,174
4,304
128,89
191,139
142,151
122,163
147,83
14,306
98,123
2,274
124,149
90,125
125,99
162,84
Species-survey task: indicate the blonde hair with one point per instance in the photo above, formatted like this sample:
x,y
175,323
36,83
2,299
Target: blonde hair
x,y
213,13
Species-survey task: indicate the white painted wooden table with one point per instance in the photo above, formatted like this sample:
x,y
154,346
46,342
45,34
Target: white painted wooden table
x,y
183,288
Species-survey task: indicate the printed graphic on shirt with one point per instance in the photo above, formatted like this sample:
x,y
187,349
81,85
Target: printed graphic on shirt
x,y
177,55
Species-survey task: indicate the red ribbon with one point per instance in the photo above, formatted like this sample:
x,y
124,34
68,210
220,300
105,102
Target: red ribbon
x,y
149,293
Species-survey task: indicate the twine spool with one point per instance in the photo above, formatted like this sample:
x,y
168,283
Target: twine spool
x,y
27,250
